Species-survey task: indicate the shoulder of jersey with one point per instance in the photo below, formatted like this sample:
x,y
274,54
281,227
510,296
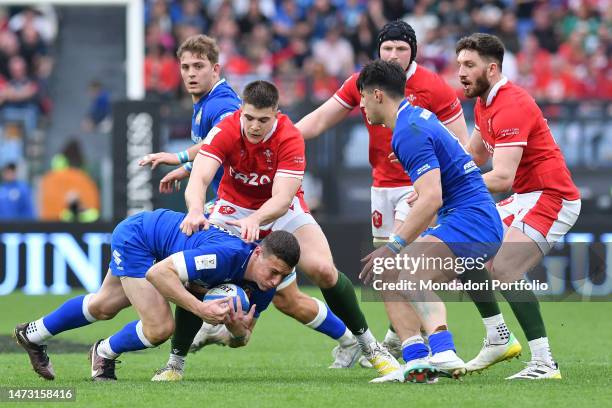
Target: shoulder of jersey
x,y
285,128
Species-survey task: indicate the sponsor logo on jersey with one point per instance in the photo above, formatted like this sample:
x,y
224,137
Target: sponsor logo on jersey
x,y
116,257
509,132
423,169
298,159
226,210
377,219
425,114
252,179
205,261
470,166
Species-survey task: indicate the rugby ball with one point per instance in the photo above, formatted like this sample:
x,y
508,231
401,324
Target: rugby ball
x,y
229,290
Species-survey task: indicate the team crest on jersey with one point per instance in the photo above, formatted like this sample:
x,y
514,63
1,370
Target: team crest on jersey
x,y
411,98
199,117
377,219
268,153
226,210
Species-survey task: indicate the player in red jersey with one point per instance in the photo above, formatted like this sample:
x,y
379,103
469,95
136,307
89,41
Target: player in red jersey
x,y
511,129
263,157
391,186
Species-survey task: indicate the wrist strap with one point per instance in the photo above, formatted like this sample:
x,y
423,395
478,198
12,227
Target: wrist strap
x,y
396,244
188,166
183,156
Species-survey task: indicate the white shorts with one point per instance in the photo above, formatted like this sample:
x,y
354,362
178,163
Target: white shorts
x,y
388,204
296,217
543,217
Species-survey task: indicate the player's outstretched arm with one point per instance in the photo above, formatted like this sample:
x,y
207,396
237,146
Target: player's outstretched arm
x,y
321,119
165,277
429,190
505,163
204,169
283,191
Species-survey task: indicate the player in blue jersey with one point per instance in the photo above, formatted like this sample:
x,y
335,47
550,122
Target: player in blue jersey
x,y
213,99
151,262
449,185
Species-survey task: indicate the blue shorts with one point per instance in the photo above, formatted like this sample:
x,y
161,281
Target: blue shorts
x,y
470,232
131,256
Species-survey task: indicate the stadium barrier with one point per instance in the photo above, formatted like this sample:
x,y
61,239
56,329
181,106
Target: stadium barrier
x,y
40,258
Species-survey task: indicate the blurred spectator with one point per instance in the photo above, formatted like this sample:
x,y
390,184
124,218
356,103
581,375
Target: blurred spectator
x,y
272,38
161,73
323,85
543,29
20,96
15,196
42,18
421,20
335,53
253,17
507,32
99,111
67,193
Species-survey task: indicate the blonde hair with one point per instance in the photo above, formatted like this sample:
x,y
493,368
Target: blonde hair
x,y
202,46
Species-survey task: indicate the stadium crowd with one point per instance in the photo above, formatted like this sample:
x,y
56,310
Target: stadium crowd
x,y
557,50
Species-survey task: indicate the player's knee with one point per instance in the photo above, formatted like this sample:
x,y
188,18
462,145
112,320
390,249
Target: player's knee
x,y
158,333
324,274
101,310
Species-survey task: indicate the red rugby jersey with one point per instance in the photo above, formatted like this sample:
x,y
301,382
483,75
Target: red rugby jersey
x,y
250,168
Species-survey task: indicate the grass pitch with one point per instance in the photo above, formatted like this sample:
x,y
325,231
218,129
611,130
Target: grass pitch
x,y
285,365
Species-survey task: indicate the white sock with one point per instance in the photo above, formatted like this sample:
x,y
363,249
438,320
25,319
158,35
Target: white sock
x,y
37,333
177,361
347,339
104,350
540,350
365,340
391,337
413,340
497,331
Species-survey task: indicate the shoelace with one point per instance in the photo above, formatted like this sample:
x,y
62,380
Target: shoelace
x,y
108,367
42,352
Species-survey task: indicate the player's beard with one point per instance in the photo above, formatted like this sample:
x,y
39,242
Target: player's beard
x,y
479,88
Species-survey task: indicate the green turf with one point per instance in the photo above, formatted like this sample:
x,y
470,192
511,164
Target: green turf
x,y
285,365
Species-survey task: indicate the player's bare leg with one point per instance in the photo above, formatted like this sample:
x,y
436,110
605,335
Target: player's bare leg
x,y
317,263
430,311
154,327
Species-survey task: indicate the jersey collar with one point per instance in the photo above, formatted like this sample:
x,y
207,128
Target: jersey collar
x,y
411,70
204,97
403,106
503,81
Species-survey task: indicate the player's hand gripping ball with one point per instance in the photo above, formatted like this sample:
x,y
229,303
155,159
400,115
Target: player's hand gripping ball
x,y
229,290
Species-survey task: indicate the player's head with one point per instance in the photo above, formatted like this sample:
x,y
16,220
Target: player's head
x,y
259,109
9,172
397,42
200,69
379,83
480,57
273,259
